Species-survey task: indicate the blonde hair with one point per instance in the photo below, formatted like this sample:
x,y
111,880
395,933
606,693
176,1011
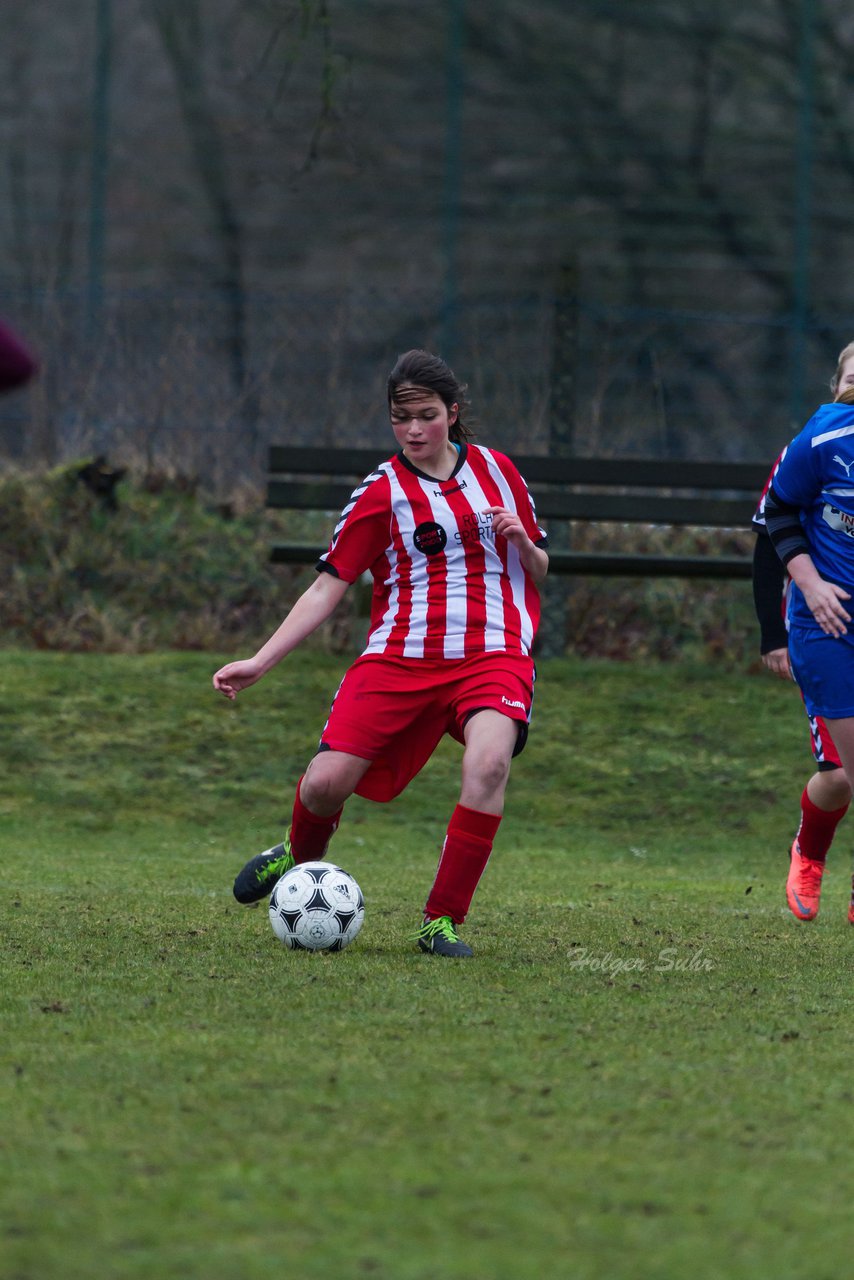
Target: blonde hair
x,y
844,355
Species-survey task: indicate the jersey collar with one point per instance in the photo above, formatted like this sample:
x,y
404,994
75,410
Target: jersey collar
x,y
462,453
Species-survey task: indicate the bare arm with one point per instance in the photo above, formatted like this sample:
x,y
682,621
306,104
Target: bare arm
x,y
535,560
824,599
312,609
777,662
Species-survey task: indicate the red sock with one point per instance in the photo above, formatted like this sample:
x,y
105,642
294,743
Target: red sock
x,y
465,854
310,834
817,829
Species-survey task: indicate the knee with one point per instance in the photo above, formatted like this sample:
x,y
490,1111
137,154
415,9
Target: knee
x,y
489,772
322,789
831,789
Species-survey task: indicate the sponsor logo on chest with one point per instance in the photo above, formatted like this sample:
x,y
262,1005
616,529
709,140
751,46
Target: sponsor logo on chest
x,y
838,520
431,538
474,526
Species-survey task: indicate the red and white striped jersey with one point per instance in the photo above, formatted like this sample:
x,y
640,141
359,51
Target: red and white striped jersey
x,y
758,520
764,582
444,586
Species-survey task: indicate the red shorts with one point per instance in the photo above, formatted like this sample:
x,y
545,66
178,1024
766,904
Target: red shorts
x,y
394,711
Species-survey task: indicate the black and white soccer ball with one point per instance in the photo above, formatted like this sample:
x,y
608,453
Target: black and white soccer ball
x,y
316,907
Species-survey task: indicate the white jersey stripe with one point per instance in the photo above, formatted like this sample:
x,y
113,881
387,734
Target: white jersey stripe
x,y
833,435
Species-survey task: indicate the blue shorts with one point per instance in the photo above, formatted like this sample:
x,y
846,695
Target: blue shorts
x,y
823,666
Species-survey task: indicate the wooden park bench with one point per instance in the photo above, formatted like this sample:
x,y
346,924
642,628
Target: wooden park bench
x,y
615,491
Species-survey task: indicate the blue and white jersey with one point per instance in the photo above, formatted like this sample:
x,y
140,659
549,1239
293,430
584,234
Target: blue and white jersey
x,y
816,474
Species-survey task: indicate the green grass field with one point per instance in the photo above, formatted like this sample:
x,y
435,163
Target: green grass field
x,y
645,1072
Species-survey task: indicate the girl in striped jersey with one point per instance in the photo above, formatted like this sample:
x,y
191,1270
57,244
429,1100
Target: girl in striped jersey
x,y
448,532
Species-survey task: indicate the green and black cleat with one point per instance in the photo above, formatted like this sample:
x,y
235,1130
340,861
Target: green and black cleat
x,y
261,873
440,938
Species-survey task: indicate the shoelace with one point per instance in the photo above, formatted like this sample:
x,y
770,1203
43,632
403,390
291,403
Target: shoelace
x,y
276,866
443,925
810,872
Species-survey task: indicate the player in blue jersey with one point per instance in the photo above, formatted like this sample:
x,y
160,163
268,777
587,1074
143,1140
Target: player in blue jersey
x,y
827,795
809,515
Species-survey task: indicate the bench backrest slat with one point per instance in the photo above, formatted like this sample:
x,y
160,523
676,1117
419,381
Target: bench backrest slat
x,y
648,473
634,508
711,494
618,564
325,461
611,564
306,495
645,473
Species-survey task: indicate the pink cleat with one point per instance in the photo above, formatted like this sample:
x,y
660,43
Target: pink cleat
x,y
803,887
